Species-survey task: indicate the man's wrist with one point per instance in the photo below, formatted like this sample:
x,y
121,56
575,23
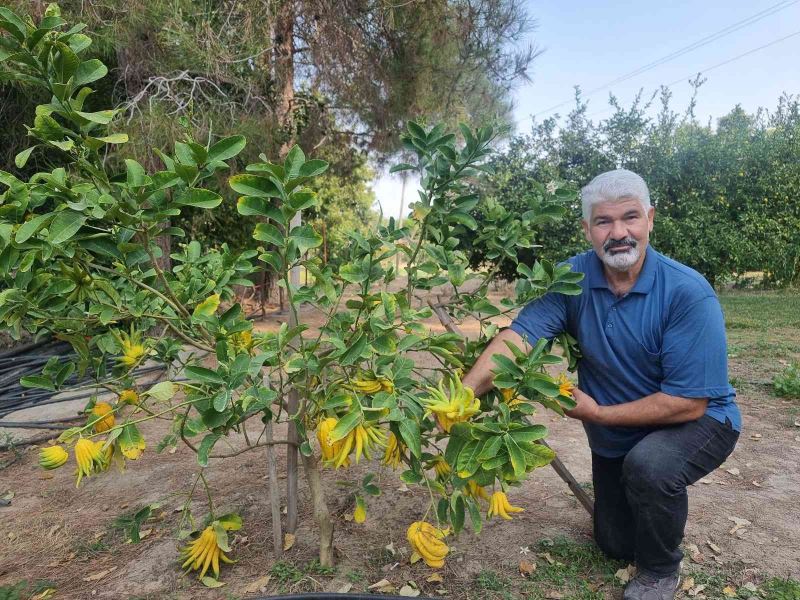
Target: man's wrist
x,y
600,415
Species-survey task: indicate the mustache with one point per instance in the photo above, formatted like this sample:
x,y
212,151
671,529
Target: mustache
x,y
626,241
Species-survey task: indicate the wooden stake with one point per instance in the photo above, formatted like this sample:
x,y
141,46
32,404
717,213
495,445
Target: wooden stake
x,y
292,406
274,492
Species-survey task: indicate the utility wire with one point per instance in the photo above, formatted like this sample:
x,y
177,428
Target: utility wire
x,y
718,65
681,51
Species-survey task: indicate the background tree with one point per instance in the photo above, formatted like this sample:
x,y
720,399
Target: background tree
x,y
726,196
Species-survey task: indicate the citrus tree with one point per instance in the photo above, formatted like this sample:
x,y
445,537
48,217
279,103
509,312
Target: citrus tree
x,y
79,260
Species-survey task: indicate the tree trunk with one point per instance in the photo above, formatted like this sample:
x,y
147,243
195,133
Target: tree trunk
x,y
283,72
321,513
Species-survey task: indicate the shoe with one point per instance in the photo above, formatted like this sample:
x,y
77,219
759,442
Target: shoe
x,y
644,586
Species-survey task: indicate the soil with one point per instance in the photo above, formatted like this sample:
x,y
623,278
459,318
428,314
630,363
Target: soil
x,y
54,531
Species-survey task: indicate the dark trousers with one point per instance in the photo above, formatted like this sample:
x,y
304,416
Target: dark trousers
x,y
641,502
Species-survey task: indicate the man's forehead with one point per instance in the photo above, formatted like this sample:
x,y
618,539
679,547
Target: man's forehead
x,y
617,206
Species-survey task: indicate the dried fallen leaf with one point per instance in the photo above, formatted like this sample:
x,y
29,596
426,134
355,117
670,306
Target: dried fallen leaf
x,y
687,584
415,557
409,591
45,595
553,595
696,590
345,588
288,541
714,547
733,471
98,576
390,548
258,585
797,423
434,578
755,436
384,585
526,567
755,483
624,575
729,591
210,582
695,554
442,592
547,557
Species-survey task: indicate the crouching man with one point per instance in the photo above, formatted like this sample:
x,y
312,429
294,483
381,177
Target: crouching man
x,y
653,392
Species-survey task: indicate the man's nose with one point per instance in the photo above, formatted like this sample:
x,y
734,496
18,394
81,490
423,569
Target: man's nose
x,y
618,230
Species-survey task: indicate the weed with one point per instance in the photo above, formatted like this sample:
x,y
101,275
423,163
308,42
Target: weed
x,y
91,548
782,589
787,383
285,572
491,581
314,568
355,577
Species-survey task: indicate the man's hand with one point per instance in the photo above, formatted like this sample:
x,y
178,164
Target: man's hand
x,y
586,410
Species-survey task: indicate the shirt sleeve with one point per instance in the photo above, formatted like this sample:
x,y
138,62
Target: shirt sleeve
x,y
545,317
694,356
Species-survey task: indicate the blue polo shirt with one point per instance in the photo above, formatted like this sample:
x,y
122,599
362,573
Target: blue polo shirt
x,y
667,334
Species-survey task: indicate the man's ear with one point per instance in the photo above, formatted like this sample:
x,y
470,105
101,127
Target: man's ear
x,y
650,214
586,230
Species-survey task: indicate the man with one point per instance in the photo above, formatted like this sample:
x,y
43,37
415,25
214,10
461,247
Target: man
x,y
653,392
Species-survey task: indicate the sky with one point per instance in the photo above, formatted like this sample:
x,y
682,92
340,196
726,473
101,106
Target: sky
x,y
591,43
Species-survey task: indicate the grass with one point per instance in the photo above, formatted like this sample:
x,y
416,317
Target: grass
x,y
576,570
292,577
22,590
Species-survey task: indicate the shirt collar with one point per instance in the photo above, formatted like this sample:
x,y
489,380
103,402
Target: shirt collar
x,y
644,283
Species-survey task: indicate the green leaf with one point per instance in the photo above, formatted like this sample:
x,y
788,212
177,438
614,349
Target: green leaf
x,y
231,522
199,197
409,431
37,381
226,148
516,455
475,515
490,448
102,117
251,206
22,158
205,448
114,138
13,24
457,512
162,391
305,237
207,307
210,582
266,232
468,459
294,161
312,168
401,167
205,375
65,225
89,71
346,424
222,537
353,353
136,174
530,433
254,185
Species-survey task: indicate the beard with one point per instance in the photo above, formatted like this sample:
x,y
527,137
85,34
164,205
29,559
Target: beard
x,y
621,260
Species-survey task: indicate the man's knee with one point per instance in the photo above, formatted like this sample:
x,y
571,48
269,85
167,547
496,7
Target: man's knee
x,y
648,472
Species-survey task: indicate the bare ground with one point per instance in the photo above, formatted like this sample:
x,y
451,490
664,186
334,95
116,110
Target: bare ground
x,y
55,532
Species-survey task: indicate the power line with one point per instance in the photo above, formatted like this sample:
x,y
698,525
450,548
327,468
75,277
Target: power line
x,y
681,51
719,64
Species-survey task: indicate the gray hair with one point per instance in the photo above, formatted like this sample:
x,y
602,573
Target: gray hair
x,y
619,184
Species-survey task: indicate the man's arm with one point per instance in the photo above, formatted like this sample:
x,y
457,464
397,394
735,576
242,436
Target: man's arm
x,y
655,409
480,375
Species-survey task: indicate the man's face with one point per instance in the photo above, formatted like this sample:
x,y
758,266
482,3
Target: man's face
x,y
619,232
